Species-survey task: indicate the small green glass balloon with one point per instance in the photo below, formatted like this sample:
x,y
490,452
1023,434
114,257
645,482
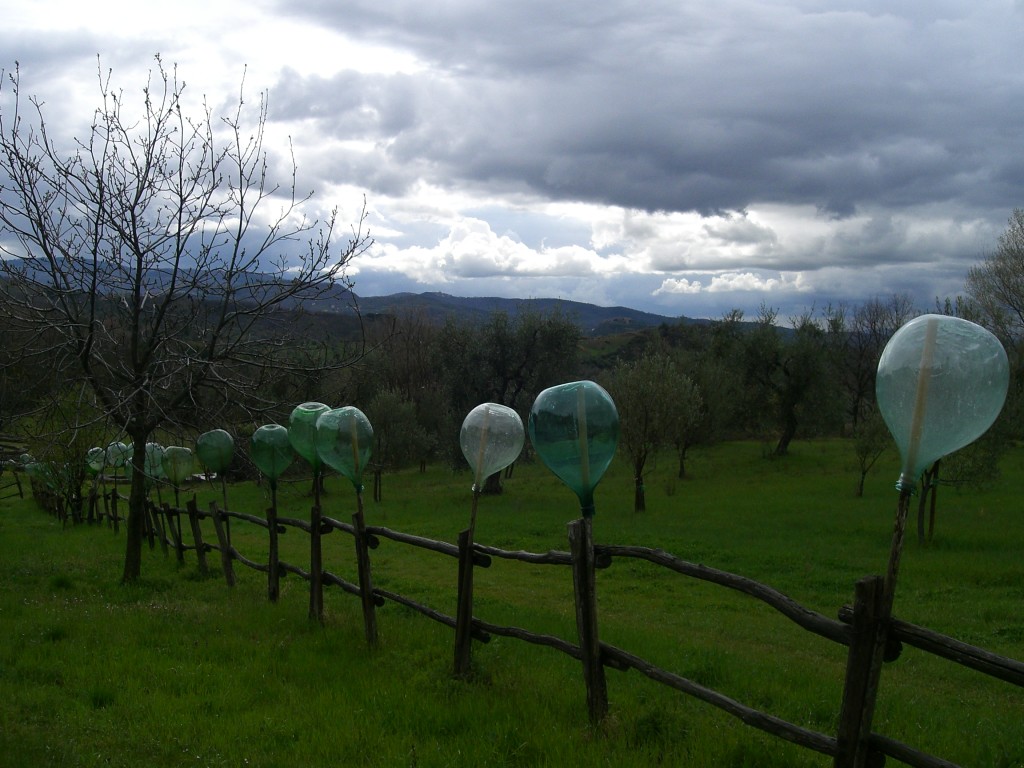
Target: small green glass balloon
x,y
574,428
302,431
491,437
154,466
95,460
177,463
940,385
344,442
215,449
272,451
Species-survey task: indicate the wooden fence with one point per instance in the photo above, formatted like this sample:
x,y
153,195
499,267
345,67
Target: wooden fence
x,y
861,627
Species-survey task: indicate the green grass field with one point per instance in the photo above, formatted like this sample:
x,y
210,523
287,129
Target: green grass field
x,y
181,670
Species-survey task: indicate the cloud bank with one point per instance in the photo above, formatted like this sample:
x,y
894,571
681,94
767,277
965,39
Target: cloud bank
x,y
684,158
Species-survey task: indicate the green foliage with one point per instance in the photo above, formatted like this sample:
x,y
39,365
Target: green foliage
x,y
59,434
179,669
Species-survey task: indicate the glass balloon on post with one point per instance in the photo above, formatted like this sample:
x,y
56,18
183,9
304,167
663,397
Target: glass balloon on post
x,y
940,385
215,450
272,453
491,438
302,433
344,442
177,463
574,428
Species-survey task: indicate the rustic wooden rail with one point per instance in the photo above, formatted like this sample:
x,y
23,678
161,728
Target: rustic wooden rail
x,y
858,627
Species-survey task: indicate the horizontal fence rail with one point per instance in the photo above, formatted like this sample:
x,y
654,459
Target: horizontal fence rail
x,y
857,627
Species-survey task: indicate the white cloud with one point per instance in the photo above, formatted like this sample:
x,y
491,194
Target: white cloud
x,y
674,285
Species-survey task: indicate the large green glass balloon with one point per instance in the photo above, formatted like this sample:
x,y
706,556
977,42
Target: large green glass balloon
x,y
302,431
154,466
344,441
272,451
941,383
215,449
574,428
177,463
492,437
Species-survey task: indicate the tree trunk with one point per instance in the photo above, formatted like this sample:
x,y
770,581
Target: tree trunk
x,y
639,495
492,485
135,527
935,495
788,433
928,488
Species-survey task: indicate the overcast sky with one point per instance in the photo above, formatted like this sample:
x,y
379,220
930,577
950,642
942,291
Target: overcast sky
x,y
678,156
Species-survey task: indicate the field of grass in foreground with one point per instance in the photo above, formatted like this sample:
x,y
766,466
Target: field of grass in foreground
x,y
180,670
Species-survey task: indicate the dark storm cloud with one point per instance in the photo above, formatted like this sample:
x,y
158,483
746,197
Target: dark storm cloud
x,y
708,108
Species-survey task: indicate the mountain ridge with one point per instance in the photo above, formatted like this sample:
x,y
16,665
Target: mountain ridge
x,y
592,319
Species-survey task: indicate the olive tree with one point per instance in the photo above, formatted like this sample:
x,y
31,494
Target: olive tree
x,y
658,404
154,258
996,285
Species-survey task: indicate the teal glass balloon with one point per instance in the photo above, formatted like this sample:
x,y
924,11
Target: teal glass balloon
x,y
302,431
344,441
119,454
95,460
177,463
215,449
154,466
491,437
941,383
574,428
272,451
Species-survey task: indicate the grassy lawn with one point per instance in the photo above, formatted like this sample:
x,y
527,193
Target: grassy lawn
x,y
181,670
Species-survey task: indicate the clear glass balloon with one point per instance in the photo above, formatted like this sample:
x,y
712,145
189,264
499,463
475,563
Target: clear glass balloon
x,y
96,460
154,466
344,441
119,454
941,384
215,449
302,431
574,428
272,451
177,463
492,437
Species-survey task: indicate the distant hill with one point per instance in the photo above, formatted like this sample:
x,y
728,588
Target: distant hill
x,y
591,319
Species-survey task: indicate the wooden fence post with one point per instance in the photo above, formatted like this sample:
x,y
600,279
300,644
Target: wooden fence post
x,y
147,525
157,523
172,514
273,560
197,534
464,610
316,565
365,576
581,546
859,694
225,546
113,519
93,500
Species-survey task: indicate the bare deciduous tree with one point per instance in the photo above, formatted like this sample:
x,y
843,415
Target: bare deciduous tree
x,y
155,259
